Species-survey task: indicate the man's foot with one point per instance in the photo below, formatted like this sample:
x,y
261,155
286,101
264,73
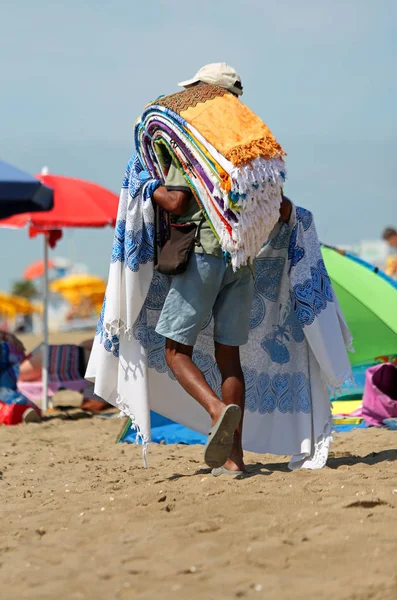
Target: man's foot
x,y
221,436
218,472
94,406
236,464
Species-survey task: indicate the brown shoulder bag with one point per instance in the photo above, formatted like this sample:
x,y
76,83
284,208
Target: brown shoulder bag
x,y
175,254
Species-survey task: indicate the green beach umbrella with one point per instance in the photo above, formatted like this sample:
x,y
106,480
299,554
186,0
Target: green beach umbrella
x,y
369,302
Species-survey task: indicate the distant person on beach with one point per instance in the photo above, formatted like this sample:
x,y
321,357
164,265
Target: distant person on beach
x,y
31,370
390,237
12,340
14,406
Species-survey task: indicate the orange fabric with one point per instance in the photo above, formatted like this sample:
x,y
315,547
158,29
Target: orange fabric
x,y
233,129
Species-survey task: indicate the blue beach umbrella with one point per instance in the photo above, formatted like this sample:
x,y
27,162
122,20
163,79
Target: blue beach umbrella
x,y
20,192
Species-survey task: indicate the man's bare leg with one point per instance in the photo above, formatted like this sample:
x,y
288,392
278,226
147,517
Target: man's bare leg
x,y
233,392
189,376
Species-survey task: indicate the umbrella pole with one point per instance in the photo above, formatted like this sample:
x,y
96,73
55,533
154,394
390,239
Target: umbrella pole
x,y
45,327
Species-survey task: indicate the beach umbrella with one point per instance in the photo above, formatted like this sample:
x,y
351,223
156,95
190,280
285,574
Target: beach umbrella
x,y
369,302
11,306
75,298
77,288
93,299
7,310
20,192
7,306
21,305
77,203
83,283
36,269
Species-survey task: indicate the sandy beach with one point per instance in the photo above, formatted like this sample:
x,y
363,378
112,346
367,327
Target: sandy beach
x,y
82,519
228,232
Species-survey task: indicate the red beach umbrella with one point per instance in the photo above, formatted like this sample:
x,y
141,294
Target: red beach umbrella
x,y
36,269
77,203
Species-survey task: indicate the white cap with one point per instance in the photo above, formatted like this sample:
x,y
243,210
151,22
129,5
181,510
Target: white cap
x,y
217,74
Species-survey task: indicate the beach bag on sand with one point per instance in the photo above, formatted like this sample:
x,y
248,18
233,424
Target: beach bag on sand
x,y
380,394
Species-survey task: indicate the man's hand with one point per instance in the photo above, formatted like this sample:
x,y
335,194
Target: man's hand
x,y
176,203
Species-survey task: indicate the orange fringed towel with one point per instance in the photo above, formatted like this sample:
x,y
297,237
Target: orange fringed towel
x,y
225,122
229,157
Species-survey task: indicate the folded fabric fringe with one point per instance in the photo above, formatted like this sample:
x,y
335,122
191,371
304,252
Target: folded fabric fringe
x,y
142,438
267,148
236,178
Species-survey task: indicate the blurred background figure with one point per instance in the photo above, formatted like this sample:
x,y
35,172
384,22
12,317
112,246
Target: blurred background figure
x,y
390,237
14,406
67,366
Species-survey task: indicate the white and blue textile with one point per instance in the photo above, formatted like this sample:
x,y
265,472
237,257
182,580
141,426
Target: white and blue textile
x,y
296,350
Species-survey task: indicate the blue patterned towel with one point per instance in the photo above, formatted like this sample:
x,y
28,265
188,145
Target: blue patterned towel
x,y
295,353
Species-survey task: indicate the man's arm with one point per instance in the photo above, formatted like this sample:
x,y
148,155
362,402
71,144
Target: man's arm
x,y
174,196
173,201
177,202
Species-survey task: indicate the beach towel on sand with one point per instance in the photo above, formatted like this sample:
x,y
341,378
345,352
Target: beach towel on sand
x,y
228,156
295,353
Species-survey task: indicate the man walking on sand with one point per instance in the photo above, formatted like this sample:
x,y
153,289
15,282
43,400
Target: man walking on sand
x,y
214,336
209,285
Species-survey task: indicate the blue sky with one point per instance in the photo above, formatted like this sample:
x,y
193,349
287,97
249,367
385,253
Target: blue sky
x,y
74,76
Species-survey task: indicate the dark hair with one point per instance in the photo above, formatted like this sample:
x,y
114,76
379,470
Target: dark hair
x,y
388,233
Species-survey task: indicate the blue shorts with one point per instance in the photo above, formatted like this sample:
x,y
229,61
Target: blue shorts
x,y
208,285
